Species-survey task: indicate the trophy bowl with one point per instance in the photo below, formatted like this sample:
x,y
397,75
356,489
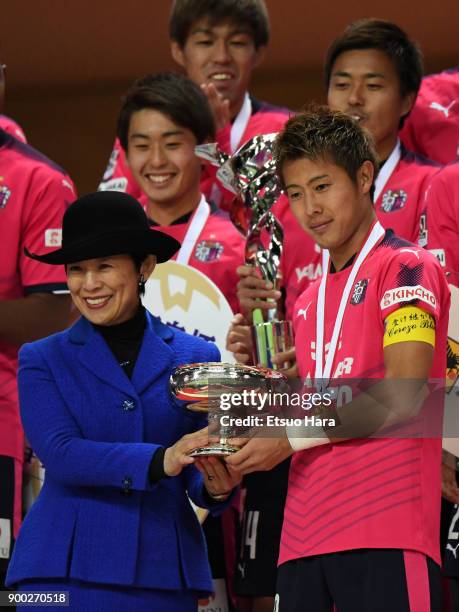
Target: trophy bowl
x,y
201,386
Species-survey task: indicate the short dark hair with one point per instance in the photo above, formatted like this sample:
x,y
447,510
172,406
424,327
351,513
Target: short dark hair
x,y
320,133
384,36
173,95
253,13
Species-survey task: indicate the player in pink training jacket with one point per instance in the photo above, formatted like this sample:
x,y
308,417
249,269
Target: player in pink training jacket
x,y
432,129
361,523
34,193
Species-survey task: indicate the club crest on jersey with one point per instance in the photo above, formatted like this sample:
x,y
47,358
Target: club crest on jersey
x,y
394,200
360,289
53,237
207,251
4,196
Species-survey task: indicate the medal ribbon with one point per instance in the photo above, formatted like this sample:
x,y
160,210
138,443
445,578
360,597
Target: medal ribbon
x,y
386,170
193,232
322,372
240,123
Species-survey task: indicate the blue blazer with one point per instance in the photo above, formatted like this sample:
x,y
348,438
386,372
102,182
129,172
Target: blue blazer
x,y
97,518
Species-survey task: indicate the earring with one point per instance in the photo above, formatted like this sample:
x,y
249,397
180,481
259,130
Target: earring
x,y
142,282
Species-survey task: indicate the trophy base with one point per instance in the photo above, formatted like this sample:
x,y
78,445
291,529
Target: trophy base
x,y
214,450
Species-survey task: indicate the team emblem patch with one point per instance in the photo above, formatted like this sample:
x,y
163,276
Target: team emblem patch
x,y
393,200
4,196
207,251
53,237
360,289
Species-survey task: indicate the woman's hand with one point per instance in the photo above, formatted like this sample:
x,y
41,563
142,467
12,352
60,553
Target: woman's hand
x,y
176,457
218,479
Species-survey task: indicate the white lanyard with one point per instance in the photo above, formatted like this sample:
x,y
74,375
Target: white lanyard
x,y
386,170
194,229
324,373
240,123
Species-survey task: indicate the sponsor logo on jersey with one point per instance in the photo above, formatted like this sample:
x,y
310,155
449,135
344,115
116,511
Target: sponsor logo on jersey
x,y
207,251
440,255
110,169
393,200
4,196
360,289
443,109
408,294
303,312
117,184
311,272
5,538
53,237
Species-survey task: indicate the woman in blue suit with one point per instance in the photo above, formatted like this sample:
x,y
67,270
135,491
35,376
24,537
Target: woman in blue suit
x,y
113,524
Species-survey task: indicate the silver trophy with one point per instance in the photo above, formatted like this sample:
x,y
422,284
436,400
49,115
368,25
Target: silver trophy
x,y
251,175
201,385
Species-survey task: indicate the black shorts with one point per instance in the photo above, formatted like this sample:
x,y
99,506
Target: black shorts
x,y
260,532
451,551
365,580
7,492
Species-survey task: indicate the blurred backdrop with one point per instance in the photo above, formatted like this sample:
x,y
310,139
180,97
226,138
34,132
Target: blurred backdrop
x,y
69,61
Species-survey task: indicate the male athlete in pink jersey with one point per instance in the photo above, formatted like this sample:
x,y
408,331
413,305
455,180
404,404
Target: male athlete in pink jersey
x,y
361,523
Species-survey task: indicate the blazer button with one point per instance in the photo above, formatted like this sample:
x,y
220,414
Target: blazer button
x,y
128,405
127,484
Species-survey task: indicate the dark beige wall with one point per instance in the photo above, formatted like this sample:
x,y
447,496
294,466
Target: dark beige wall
x,y
69,62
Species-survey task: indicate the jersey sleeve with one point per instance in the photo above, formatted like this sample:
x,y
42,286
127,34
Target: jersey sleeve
x,y
413,277
117,175
442,221
48,196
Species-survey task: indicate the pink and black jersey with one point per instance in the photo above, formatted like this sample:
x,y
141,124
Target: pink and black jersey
x,y
432,127
11,127
402,200
34,194
442,221
368,493
218,251
264,119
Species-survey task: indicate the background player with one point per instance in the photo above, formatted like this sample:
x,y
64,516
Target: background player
x,y
218,43
34,194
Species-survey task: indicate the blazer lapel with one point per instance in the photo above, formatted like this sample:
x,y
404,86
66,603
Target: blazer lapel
x,y
96,356
156,354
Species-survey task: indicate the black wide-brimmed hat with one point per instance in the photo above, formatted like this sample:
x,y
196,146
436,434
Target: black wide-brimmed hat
x,y
107,223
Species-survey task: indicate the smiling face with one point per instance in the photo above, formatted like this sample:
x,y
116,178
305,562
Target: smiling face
x,y
365,85
161,157
224,55
106,290
336,212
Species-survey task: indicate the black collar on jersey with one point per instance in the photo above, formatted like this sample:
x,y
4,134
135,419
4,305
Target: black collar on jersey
x,y
3,137
107,223
184,218
348,263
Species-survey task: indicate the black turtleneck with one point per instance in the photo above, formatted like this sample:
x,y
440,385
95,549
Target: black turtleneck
x,y
125,339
